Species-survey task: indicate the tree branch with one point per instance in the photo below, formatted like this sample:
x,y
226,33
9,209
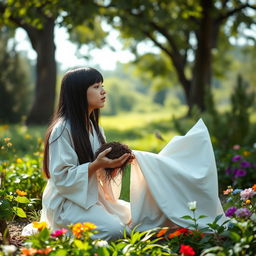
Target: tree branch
x,y
233,11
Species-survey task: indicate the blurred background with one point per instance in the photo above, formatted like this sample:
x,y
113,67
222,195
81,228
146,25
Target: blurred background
x,y
165,64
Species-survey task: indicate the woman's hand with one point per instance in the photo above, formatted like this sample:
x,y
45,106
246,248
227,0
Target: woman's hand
x,y
103,162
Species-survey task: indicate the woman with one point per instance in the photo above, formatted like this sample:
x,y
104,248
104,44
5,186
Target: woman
x,y
76,190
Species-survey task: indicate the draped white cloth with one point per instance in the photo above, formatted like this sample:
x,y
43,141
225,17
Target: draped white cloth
x,y
161,186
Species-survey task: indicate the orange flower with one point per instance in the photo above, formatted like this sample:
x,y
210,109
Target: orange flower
x,y
162,232
248,201
21,193
79,228
39,225
254,187
28,252
176,233
227,191
7,139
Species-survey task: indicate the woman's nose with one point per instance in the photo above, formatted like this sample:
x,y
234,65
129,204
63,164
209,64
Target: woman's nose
x,y
103,91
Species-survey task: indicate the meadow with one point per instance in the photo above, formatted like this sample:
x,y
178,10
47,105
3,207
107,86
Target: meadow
x,y
22,185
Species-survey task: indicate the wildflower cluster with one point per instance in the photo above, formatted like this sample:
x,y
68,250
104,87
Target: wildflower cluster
x,y
241,165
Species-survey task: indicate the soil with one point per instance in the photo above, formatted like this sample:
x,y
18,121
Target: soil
x,y
15,228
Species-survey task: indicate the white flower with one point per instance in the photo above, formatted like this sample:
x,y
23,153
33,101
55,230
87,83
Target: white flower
x,y
253,217
254,145
9,249
100,243
192,205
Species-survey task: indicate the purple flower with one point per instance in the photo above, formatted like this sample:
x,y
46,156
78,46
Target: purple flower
x,y
228,171
245,164
230,211
243,212
240,173
236,158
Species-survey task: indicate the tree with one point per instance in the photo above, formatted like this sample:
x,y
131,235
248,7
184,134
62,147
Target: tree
x,y
186,31
38,19
15,82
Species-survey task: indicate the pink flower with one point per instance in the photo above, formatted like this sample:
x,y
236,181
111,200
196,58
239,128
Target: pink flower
x,y
59,232
247,194
236,147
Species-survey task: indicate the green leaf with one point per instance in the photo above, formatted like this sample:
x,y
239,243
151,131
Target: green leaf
x,y
22,199
187,217
79,244
61,252
19,212
201,217
236,237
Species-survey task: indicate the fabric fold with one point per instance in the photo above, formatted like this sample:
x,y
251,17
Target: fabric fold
x,y
182,172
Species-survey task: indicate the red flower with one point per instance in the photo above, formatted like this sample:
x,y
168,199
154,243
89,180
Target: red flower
x,y
187,250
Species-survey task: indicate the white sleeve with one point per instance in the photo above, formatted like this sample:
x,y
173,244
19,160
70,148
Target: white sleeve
x,y
69,177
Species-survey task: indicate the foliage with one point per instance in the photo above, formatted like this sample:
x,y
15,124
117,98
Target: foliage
x,y
186,32
15,82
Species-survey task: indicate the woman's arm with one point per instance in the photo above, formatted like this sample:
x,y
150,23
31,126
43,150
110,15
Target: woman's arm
x,y
103,162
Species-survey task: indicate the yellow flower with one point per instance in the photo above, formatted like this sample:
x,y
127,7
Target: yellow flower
x,y
7,139
39,225
21,193
247,153
18,160
248,201
89,226
9,144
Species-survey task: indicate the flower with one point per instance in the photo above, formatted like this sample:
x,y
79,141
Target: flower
x,y
187,250
7,139
248,201
21,193
243,212
236,191
247,194
253,217
227,191
59,232
176,233
245,164
192,206
39,225
246,153
28,252
79,228
236,158
100,243
9,249
180,231
230,211
240,173
18,160
236,147
162,232
254,187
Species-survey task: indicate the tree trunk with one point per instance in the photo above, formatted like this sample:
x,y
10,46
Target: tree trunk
x,y
202,71
43,43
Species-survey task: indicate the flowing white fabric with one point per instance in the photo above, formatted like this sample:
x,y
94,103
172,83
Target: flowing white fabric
x,y
163,184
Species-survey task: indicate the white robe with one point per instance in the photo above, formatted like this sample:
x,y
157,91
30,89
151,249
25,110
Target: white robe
x,y
161,186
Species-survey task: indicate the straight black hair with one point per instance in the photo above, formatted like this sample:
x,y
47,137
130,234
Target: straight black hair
x,y
73,107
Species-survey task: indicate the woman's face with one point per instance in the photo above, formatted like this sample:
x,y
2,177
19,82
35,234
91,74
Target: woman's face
x,y
96,96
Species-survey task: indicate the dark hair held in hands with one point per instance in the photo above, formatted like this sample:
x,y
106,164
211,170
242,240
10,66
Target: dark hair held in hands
x,y
118,150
